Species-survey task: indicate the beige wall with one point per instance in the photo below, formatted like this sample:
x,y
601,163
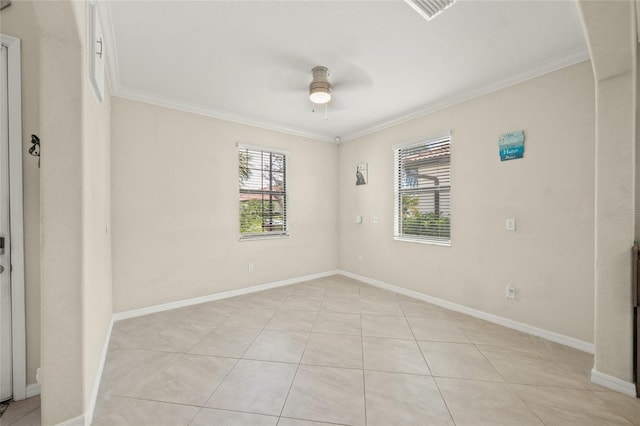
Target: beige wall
x,y
614,226
175,207
19,21
610,30
75,210
550,192
61,241
97,291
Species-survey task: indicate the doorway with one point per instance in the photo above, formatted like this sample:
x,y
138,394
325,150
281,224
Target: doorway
x,y
12,301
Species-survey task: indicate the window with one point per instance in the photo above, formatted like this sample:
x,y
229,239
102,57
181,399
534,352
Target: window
x,y
262,175
423,192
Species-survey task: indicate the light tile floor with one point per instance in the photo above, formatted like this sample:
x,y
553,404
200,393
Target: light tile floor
x,y
22,413
336,351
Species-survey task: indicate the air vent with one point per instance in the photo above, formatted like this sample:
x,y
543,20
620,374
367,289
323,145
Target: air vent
x,y
429,9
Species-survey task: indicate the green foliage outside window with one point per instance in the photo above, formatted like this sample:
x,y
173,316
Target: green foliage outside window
x,y
261,175
419,223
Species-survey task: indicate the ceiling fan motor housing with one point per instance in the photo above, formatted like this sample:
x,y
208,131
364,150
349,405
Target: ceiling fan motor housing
x,y
320,89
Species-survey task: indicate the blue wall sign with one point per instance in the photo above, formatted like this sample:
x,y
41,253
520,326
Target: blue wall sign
x,y
511,145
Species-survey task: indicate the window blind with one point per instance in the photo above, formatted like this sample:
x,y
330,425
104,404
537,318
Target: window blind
x,y
423,191
262,176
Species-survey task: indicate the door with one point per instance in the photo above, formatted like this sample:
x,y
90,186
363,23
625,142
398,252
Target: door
x,y
6,362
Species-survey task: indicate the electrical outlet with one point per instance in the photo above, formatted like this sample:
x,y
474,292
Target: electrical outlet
x,y
510,292
375,219
38,375
251,268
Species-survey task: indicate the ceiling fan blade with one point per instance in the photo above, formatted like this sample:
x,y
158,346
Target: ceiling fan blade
x,y
288,80
347,75
291,73
343,102
291,80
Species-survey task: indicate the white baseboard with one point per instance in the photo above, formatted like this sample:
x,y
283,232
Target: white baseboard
x,y
33,390
525,328
88,415
217,296
613,383
76,421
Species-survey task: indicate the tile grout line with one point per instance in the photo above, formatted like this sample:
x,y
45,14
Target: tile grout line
x,y
435,382
595,393
364,380
503,378
293,379
510,386
21,417
552,357
235,364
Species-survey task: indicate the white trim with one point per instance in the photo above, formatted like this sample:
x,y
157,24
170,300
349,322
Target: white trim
x,y
206,111
525,328
613,383
537,70
421,241
18,314
76,421
106,18
261,237
242,145
108,32
217,296
439,137
33,390
88,415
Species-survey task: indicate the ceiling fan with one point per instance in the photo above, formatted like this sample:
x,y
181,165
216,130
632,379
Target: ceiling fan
x,y
338,88
320,88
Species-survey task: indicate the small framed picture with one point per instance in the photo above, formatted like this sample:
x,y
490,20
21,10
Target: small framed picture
x,y
362,175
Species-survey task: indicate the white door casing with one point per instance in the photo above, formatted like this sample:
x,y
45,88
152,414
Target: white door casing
x,y
11,184
6,362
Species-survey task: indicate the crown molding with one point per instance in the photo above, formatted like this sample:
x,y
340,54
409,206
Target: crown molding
x,y
542,68
213,113
117,89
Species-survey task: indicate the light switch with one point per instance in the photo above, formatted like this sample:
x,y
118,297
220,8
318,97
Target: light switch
x,y
358,219
511,225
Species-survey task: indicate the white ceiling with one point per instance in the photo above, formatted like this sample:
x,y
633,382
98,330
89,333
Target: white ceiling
x,y
251,62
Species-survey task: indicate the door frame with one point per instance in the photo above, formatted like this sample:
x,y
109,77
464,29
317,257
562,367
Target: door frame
x,y
18,312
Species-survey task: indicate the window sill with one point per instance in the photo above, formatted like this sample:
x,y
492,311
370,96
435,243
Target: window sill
x,y
419,241
263,237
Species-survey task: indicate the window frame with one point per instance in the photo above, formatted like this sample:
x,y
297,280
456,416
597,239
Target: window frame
x,y
397,192
269,234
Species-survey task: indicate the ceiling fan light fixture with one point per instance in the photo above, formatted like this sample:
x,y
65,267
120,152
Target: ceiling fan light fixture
x,y
320,89
319,96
